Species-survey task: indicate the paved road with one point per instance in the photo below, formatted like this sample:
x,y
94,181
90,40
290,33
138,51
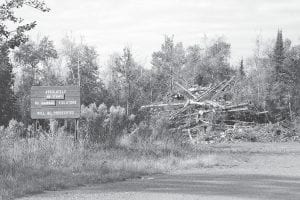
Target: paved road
x,y
273,177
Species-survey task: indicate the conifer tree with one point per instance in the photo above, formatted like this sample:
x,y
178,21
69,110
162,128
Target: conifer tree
x,y
278,56
277,98
242,71
7,97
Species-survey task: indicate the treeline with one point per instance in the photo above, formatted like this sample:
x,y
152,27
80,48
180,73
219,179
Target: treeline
x,y
126,83
269,79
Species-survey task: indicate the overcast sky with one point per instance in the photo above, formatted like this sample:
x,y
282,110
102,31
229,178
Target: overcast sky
x,y
109,25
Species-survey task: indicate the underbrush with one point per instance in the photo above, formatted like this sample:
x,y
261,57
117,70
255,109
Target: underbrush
x,y
54,161
263,133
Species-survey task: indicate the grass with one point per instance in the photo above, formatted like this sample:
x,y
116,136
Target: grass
x,y
29,166
54,162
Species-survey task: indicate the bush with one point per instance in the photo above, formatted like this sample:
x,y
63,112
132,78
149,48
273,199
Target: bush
x,y
14,130
153,135
117,124
100,125
93,125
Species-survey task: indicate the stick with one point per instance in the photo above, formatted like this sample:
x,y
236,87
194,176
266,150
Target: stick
x,y
236,106
162,105
210,90
218,93
187,91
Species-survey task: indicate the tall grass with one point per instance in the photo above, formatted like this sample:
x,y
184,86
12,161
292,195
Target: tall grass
x,y
54,161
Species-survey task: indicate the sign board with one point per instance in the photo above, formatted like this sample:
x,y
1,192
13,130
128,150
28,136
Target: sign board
x,y
55,102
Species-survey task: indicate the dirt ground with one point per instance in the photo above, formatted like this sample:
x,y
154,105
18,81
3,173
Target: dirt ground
x,y
256,171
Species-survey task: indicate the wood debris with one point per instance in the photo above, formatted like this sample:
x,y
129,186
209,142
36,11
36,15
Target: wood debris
x,y
205,109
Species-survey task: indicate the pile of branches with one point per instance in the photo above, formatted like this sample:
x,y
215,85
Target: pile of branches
x,y
198,111
277,132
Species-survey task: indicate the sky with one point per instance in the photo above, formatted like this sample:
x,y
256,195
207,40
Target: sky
x,y
110,25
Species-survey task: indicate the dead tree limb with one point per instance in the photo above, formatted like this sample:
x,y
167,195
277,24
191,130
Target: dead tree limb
x,y
186,90
222,90
162,105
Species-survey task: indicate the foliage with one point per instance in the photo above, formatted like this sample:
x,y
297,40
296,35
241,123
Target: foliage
x,y
7,97
34,61
94,122
272,82
278,56
15,130
117,124
262,133
54,162
84,58
129,85
292,63
242,70
10,37
167,63
102,125
208,67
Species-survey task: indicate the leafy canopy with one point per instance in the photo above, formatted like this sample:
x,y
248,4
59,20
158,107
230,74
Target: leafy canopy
x,y
11,37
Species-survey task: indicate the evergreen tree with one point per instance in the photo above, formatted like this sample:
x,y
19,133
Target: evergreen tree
x,y
277,99
7,97
278,56
241,70
92,88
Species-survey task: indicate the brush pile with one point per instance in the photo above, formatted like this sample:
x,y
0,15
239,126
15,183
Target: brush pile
x,y
203,114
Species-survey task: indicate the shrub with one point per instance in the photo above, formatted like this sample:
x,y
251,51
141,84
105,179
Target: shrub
x,y
100,125
93,125
15,130
117,124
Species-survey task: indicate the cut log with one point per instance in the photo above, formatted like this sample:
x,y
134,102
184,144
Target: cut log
x,y
186,90
162,105
222,90
206,94
242,105
236,110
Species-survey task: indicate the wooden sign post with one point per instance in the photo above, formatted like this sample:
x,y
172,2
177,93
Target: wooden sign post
x,y
56,102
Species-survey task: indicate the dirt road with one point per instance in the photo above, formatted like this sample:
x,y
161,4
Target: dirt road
x,y
269,175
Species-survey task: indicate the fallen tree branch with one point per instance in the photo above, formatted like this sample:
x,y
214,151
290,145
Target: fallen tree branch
x,y
162,105
186,90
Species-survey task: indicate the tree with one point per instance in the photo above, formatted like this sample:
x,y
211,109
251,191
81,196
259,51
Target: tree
x,y
125,66
191,69
7,97
217,60
130,82
34,60
12,36
84,58
241,70
277,75
292,63
278,97
278,56
210,66
114,86
167,64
